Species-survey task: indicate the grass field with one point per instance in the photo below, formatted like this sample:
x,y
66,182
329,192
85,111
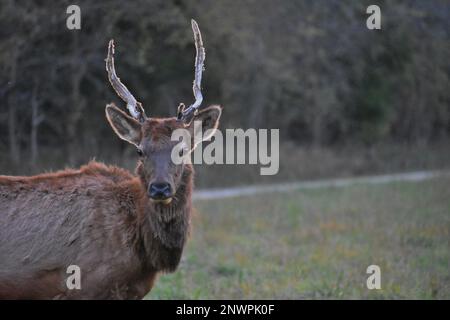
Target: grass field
x,y
317,244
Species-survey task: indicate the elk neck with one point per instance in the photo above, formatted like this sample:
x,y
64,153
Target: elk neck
x,y
164,229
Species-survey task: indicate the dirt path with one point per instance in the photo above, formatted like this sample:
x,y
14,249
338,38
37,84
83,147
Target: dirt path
x,y
317,184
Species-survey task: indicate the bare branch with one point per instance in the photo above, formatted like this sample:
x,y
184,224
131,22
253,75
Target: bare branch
x,y
134,107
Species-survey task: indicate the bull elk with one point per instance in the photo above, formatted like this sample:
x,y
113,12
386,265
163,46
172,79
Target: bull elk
x,y
120,229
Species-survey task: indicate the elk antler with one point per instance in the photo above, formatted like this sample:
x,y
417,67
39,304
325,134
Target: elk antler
x,y
185,114
134,107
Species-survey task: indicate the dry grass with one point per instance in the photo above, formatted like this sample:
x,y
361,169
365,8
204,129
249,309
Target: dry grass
x,y
318,244
300,163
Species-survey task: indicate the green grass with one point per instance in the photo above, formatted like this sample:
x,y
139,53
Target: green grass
x,y
317,244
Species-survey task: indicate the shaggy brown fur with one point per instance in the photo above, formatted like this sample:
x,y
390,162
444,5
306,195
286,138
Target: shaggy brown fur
x,y
99,218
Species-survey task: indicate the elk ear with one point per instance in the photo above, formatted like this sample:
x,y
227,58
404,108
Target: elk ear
x,y
123,125
205,123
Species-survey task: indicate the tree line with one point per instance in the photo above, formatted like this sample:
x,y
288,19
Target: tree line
x,y
310,68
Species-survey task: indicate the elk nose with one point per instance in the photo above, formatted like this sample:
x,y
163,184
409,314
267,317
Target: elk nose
x,y
160,191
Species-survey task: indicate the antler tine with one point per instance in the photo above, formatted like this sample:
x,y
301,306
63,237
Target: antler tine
x,y
134,107
199,66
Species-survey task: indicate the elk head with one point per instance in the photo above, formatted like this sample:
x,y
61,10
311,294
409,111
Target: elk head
x,y
152,136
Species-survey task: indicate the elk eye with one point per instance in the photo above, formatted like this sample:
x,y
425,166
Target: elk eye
x,y
139,152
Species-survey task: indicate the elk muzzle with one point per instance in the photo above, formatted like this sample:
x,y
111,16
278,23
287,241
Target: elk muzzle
x,y
160,192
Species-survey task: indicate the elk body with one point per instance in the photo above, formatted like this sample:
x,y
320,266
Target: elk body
x,y
120,229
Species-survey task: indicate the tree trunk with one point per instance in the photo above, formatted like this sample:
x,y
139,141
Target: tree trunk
x,y
14,150
76,106
36,120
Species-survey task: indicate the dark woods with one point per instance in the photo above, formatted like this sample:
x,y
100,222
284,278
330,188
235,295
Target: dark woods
x,y
310,68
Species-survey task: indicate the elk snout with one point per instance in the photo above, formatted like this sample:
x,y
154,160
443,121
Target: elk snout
x,y
160,192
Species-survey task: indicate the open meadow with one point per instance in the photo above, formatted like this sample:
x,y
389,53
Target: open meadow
x,y
311,244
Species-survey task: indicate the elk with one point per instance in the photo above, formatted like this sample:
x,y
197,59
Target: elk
x,y
120,229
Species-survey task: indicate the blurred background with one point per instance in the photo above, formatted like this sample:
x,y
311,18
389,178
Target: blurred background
x,y
348,101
